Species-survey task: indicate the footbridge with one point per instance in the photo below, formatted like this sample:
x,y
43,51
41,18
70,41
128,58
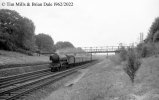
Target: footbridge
x,y
94,50
103,49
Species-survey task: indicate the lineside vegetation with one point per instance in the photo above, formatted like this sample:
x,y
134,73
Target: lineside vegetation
x,y
132,60
148,47
17,33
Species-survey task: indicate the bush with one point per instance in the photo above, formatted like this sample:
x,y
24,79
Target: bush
x,y
132,63
27,52
148,49
142,50
123,53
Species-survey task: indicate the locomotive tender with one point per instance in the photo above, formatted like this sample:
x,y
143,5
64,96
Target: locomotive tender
x,y
63,61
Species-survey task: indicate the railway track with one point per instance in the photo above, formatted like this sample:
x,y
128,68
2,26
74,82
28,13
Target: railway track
x,y
21,78
23,85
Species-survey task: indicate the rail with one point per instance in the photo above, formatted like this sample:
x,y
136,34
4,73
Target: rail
x,y
21,89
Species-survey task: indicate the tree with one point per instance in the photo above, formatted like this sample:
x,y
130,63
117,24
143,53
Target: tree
x,y
45,43
153,31
15,31
156,36
26,35
8,27
63,45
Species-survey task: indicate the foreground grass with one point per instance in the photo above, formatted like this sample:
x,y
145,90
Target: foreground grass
x,y
147,80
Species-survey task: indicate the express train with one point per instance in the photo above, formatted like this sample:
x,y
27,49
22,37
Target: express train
x,y
59,61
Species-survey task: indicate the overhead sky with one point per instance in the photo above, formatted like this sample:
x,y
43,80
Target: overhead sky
x,y
90,22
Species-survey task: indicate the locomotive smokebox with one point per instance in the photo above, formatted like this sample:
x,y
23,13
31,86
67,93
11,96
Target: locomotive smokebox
x,y
55,58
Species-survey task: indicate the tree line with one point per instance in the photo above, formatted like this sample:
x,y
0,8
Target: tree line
x,y
148,47
17,33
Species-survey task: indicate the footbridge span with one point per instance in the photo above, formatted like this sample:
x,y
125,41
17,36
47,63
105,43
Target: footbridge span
x,y
103,49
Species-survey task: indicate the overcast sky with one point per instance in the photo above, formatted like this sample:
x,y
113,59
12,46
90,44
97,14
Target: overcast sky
x,y
91,22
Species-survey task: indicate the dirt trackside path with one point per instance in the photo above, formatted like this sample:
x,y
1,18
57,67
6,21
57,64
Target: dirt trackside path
x,y
103,81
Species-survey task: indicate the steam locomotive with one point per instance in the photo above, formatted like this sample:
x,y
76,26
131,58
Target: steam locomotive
x,y
59,62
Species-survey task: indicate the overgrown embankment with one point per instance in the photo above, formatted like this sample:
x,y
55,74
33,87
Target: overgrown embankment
x,y
9,60
145,85
132,61
146,82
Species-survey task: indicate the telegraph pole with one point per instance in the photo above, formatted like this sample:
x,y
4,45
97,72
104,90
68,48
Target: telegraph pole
x,y
141,37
